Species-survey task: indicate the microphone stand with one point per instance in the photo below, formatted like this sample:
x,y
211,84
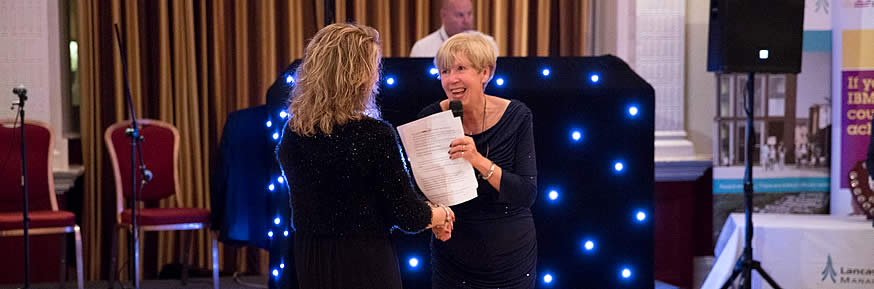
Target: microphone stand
x,y
135,150
22,97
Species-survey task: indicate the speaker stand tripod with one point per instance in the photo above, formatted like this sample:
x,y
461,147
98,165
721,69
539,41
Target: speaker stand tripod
x,y
746,264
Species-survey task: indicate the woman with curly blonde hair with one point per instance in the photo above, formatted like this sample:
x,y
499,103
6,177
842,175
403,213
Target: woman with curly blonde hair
x,y
348,183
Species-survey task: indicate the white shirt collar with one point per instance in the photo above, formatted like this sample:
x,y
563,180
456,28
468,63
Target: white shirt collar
x,y
442,33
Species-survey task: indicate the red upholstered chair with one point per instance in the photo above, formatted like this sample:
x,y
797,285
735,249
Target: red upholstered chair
x,y
44,214
160,152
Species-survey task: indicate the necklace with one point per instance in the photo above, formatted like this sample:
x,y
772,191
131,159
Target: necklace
x,y
483,126
483,119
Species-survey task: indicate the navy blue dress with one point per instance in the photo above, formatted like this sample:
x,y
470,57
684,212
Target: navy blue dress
x,y
348,190
494,242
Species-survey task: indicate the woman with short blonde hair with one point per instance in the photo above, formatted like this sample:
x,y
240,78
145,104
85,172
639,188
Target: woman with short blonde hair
x,y
494,244
479,50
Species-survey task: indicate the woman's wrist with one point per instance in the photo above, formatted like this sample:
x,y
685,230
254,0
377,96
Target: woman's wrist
x,y
447,216
482,166
438,215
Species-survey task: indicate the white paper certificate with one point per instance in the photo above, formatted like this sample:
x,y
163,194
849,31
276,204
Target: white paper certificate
x,y
444,181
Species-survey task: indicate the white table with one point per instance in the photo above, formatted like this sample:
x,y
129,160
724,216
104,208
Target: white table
x,y
799,251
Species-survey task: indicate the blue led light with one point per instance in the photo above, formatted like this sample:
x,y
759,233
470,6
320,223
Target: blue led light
x,y
618,166
283,114
545,72
589,245
281,265
270,234
632,110
640,216
271,187
414,262
547,278
268,123
275,272
390,81
763,54
553,195
289,79
595,78
276,221
499,81
280,179
275,135
626,273
433,71
285,233
576,135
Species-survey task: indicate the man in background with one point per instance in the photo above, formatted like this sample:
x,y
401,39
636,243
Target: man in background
x,y
456,16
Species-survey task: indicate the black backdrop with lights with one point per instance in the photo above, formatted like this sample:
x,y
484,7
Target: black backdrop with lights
x,y
594,201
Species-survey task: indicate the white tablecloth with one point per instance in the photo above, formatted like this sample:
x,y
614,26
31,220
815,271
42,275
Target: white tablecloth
x,y
799,251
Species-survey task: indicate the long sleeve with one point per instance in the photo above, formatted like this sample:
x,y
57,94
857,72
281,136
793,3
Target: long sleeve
x,y
404,209
519,184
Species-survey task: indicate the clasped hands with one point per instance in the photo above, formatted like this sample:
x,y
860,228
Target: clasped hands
x,y
443,231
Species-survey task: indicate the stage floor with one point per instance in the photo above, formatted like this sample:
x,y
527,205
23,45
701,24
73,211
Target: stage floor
x,y
193,283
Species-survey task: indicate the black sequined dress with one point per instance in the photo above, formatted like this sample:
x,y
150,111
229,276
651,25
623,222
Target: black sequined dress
x,y
348,190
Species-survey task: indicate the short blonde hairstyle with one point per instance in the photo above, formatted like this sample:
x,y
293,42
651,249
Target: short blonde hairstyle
x,y
477,47
337,79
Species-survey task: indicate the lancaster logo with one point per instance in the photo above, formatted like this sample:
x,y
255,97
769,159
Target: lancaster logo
x,y
847,275
829,271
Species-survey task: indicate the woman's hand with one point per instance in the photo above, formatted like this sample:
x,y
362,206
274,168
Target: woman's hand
x,y
443,231
465,148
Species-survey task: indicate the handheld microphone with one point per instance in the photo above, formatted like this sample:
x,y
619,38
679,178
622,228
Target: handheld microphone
x,y
455,106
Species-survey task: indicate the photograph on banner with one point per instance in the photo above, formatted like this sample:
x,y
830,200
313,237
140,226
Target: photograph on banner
x,y
792,126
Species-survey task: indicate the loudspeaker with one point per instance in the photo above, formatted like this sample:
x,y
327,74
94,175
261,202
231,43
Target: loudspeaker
x,y
755,36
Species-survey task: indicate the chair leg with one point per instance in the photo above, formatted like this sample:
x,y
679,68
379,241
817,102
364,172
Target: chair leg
x,y
63,259
79,280
113,261
215,266
186,238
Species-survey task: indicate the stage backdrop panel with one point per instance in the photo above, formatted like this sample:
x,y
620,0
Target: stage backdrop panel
x,y
594,131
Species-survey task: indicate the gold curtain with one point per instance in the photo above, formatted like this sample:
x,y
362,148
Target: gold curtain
x,y
521,28
192,62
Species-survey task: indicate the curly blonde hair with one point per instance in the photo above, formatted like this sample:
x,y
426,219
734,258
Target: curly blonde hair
x,y
337,80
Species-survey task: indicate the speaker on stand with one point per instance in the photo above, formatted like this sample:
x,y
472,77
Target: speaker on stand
x,y
749,36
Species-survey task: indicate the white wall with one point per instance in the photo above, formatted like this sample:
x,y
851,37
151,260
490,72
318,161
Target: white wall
x,y
29,55
700,84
